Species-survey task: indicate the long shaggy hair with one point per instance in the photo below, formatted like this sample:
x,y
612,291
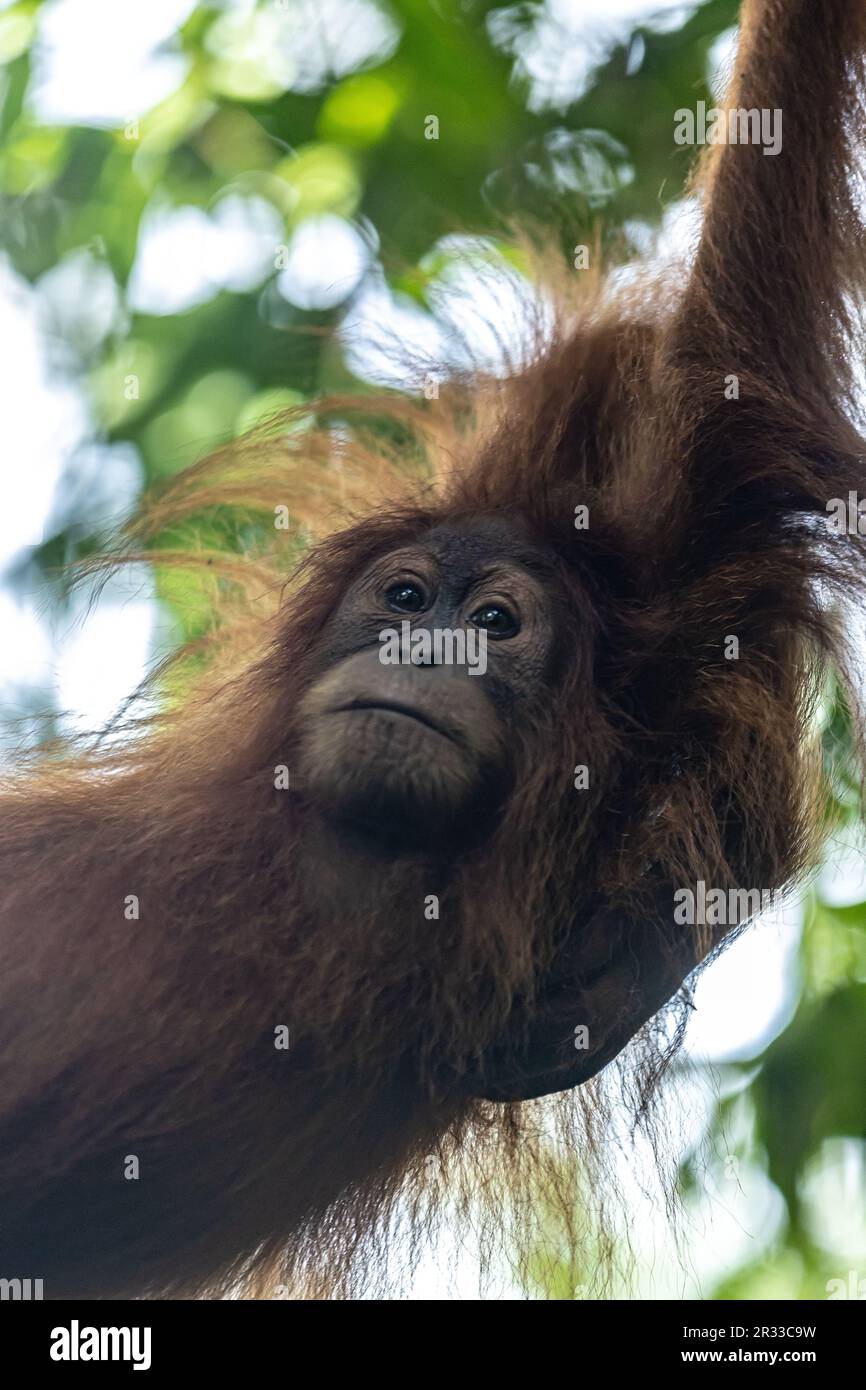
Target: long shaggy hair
x,y
321,1169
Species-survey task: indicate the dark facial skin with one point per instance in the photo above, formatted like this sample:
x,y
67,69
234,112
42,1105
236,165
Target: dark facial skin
x,y
411,760
414,753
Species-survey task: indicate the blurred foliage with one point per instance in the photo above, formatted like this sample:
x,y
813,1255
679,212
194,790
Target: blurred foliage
x,y
796,1112
333,143
271,121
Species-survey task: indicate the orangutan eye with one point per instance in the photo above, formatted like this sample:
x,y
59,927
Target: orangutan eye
x,y
406,598
495,619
